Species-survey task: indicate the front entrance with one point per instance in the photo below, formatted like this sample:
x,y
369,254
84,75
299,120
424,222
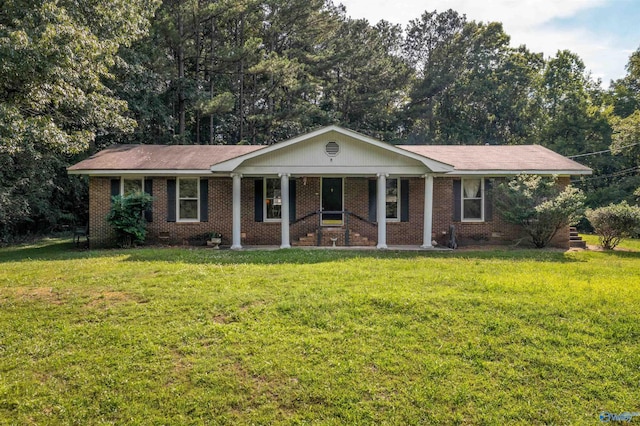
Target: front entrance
x,y
331,201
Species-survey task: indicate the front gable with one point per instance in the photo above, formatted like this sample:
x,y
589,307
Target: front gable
x,y
332,151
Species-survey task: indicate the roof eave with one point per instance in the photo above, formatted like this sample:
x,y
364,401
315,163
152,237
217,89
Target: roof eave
x,y
141,172
497,172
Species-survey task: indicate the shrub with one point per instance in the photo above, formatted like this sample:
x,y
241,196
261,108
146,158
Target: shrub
x,y
127,217
614,223
539,205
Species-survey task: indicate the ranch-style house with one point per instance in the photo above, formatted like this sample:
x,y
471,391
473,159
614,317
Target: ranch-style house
x,y
332,186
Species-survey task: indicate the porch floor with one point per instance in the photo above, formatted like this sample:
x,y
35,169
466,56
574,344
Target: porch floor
x,y
364,248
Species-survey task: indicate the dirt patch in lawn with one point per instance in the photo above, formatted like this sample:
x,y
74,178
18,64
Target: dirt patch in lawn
x,y
106,299
40,294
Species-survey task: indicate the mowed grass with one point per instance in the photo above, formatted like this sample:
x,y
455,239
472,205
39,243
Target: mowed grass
x,y
178,336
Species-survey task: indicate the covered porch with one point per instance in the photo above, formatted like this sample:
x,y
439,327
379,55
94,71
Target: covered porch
x,y
348,211
333,181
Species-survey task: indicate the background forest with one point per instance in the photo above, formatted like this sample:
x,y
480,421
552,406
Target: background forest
x,y
77,76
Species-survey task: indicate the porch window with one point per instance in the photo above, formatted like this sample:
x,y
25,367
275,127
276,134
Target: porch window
x,y
272,199
472,200
188,200
392,197
131,185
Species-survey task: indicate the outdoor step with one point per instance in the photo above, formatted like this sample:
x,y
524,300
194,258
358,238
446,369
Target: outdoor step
x,y
578,244
311,238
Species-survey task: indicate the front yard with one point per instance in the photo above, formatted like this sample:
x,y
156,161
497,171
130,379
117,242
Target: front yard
x,y
178,336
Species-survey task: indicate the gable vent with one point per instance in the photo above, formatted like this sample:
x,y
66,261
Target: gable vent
x,y
332,149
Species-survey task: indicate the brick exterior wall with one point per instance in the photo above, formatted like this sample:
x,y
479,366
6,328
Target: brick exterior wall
x,y
356,200
100,232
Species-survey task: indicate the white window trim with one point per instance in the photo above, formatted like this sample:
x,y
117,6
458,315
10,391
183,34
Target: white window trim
x,y
178,219
264,201
399,204
462,198
123,178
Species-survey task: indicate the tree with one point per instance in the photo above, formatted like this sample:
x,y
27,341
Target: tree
x,y
364,80
614,223
538,205
626,137
127,217
56,59
470,86
433,48
626,91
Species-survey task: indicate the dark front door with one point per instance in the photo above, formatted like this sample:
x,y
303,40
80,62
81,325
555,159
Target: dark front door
x,y
332,200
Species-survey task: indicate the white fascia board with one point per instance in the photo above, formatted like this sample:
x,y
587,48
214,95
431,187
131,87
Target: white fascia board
x,y
141,172
333,171
518,172
233,164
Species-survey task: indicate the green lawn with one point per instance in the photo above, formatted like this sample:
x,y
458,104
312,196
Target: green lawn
x,y
178,336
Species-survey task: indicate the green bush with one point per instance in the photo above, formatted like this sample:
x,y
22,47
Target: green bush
x,y
614,223
127,217
539,205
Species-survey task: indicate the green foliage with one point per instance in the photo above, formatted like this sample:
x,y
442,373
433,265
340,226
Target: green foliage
x,y
174,336
626,137
127,217
538,205
614,223
54,100
78,75
625,92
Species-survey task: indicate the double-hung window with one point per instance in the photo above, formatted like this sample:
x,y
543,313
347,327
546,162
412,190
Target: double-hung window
x,y
392,197
272,199
131,185
188,199
472,200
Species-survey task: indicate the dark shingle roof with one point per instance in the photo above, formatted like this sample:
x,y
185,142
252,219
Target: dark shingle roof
x,y
511,158
162,157
465,158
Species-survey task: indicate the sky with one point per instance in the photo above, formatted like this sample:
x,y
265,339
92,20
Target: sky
x,y
603,33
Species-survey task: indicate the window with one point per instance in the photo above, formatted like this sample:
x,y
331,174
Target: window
x,y
392,197
472,200
272,199
188,200
130,186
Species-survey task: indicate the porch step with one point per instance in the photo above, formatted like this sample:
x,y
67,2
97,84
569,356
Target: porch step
x,y
328,234
575,240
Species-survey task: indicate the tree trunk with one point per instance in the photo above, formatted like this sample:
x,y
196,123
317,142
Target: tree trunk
x,y
181,95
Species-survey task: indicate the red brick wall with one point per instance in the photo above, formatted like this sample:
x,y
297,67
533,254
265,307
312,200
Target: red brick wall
x,y
356,196
100,232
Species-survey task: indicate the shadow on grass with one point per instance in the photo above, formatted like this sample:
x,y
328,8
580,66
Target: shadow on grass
x,y
64,249
49,249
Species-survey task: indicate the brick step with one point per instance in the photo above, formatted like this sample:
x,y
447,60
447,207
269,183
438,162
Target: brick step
x,y
311,239
575,240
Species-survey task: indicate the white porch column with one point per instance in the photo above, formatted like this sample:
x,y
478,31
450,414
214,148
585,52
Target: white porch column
x,y
381,200
236,240
284,212
428,211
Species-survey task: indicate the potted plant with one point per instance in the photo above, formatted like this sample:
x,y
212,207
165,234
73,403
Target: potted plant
x,y
215,238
